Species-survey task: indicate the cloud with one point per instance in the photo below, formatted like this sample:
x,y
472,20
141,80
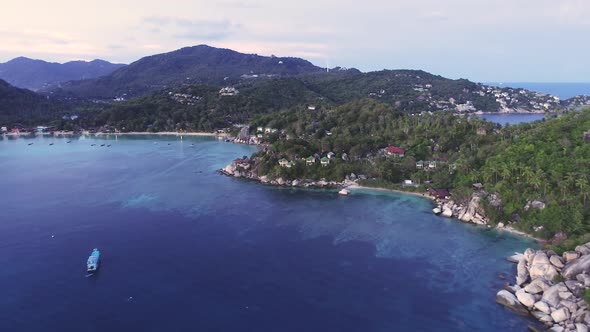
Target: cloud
x,y
201,29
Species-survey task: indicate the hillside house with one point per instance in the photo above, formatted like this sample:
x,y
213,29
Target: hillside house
x,y
325,161
439,193
310,161
228,91
420,164
283,162
331,155
395,151
481,131
586,136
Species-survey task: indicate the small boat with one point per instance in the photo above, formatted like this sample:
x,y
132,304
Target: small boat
x,y
69,142
344,192
50,143
93,261
108,145
92,144
30,144
102,144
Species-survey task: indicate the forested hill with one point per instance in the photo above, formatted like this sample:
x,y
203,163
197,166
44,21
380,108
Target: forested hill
x,y
547,162
38,74
26,107
200,64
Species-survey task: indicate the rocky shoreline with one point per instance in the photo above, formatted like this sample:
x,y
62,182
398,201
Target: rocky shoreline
x,y
242,171
552,288
471,213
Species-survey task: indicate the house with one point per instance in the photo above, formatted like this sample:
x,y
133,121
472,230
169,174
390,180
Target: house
x,y
439,193
420,164
331,155
228,91
260,129
325,161
311,107
345,157
310,160
482,131
408,183
395,151
3,129
283,162
587,136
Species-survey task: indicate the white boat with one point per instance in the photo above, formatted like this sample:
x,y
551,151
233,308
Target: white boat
x,y
93,261
344,192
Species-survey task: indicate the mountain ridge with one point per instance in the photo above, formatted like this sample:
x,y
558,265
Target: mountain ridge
x,y
200,64
35,74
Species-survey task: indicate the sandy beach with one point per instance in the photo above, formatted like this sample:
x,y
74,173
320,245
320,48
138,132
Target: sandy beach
x,y
423,195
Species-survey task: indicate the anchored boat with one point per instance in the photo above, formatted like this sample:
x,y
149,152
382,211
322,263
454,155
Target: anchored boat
x,y
93,261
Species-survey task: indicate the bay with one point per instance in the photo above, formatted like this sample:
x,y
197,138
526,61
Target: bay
x,y
185,249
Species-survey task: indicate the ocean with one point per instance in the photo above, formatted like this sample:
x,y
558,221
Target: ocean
x,y
511,118
185,249
561,90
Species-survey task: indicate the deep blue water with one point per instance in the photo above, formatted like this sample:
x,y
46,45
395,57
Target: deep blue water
x,y
561,90
511,118
185,249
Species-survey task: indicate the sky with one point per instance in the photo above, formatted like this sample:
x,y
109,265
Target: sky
x,y
482,40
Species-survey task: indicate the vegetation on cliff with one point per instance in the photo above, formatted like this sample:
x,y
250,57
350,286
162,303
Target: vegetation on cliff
x,y
540,170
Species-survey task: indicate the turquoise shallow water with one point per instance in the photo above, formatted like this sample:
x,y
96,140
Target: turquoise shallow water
x,y
185,249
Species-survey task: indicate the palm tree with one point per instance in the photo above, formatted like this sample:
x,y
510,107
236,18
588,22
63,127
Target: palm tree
x,y
506,172
495,170
527,173
583,186
570,179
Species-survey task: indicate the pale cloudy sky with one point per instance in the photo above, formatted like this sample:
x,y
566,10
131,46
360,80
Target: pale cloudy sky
x,y
483,40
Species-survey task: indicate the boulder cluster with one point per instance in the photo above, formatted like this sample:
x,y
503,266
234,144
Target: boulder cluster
x,y
470,213
242,169
551,287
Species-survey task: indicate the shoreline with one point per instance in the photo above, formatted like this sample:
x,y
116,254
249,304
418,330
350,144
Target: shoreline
x,y
507,229
412,193
164,133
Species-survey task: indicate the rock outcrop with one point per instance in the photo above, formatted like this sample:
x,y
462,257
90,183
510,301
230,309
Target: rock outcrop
x,y
551,288
472,212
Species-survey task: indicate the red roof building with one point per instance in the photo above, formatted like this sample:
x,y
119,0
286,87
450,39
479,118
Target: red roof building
x,y
394,150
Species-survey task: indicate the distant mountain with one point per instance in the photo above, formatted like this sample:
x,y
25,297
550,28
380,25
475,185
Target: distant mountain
x,y
190,65
25,106
38,74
